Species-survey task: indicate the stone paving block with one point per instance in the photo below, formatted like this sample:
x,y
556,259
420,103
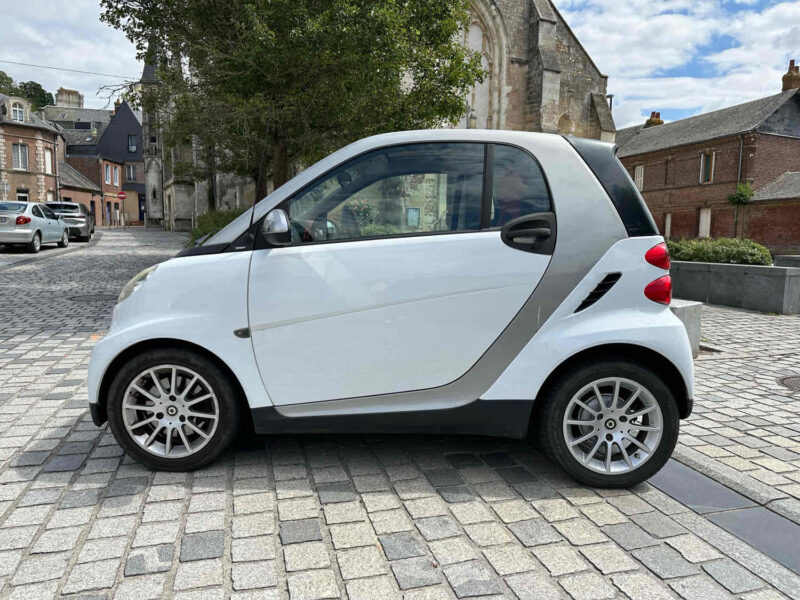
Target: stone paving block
x,y
488,534
609,558
154,534
641,586
313,585
43,567
693,548
151,559
352,535
629,535
472,579
587,586
658,525
361,562
295,532
380,501
253,525
698,588
401,545
253,548
253,503
9,559
93,550
436,528
298,508
200,546
535,532
415,572
508,560
256,575
198,574
390,521
513,511
580,532
344,512
215,520
560,560
732,576
92,576
534,586
305,556
148,587
373,587
329,493
665,562
426,507
57,540
452,550
555,509
471,512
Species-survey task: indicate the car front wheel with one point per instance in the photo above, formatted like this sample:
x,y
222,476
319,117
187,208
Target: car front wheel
x,y
611,423
172,409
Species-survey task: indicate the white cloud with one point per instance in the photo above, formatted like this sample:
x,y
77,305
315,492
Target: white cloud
x,y
70,35
636,42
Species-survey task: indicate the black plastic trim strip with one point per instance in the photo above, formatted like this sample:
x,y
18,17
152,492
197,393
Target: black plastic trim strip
x,y
501,418
601,159
599,291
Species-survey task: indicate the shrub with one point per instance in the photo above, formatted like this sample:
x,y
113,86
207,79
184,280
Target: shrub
x,y
720,250
211,222
379,229
744,191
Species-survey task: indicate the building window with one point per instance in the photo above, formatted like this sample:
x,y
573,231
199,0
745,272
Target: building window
x,y
66,199
130,172
22,195
108,173
704,229
707,161
131,143
19,153
17,111
667,225
49,196
116,175
48,161
638,177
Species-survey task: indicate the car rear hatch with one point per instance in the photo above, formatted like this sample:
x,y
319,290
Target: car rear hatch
x,y
8,215
72,215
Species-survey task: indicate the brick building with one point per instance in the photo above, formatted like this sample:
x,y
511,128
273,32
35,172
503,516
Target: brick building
x,y
28,150
687,169
74,187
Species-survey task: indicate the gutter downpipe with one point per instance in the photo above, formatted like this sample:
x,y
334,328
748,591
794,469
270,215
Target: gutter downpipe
x,y
738,181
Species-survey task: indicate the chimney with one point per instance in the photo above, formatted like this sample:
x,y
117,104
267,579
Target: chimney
x,y
655,119
791,80
116,107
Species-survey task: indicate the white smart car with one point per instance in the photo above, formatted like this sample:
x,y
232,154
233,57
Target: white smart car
x,y
476,282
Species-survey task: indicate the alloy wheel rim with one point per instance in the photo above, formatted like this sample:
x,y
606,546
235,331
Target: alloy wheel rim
x,y
36,242
613,425
170,411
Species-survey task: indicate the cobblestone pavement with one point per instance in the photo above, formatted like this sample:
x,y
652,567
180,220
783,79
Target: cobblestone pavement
x,y
362,517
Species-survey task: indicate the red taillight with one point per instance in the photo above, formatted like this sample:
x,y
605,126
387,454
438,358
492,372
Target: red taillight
x,y
22,220
658,256
660,290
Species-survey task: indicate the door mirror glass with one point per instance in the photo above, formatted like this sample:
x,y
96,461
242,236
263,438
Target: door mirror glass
x,y
276,228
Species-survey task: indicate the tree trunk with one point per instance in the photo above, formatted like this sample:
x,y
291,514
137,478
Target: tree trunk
x,y
280,164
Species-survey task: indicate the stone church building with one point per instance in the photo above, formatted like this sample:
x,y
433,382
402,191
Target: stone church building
x,y
539,78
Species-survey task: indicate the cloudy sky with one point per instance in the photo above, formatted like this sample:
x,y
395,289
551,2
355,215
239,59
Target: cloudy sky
x,y
680,57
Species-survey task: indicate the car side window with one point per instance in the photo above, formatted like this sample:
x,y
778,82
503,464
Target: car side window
x,y
48,213
399,190
37,212
519,187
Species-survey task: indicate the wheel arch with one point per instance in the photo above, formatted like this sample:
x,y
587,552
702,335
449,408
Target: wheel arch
x,y
648,357
161,344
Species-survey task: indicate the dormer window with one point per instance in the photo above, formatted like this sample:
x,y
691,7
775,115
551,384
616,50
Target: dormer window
x,y
18,112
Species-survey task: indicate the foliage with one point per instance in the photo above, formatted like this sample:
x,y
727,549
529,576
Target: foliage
x,y
720,250
210,223
363,211
379,229
32,91
744,191
263,84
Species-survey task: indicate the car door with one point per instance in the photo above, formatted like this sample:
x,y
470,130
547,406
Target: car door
x,y
41,222
55,227
397,277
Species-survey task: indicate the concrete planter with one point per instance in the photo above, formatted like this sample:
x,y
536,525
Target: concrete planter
x,y
766,289
787,260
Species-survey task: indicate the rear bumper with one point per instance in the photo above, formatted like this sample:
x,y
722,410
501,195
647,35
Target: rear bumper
x,y
78,231
18,236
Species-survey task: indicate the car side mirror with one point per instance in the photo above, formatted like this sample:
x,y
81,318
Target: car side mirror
x,y
276,228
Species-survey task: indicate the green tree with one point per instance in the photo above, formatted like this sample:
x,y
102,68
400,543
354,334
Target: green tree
x,y
263,84
742,195
6,84
34,93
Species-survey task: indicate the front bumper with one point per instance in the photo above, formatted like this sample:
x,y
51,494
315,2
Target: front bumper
x,y
17,236
78,231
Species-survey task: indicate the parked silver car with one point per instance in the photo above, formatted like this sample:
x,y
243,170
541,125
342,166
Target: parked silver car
x,y
31,224
78,218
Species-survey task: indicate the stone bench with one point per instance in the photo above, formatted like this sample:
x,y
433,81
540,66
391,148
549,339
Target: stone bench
x,y
689,312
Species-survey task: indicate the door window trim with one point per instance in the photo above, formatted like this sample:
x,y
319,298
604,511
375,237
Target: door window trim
x,y
486,195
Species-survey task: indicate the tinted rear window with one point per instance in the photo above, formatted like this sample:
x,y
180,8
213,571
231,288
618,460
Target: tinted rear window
x,y
63,207
12,207
602,160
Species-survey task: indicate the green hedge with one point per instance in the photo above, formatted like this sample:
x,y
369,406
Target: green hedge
x,y
211,222
720,250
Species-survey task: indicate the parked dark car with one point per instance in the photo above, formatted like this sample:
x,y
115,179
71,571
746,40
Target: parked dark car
x,y
79,219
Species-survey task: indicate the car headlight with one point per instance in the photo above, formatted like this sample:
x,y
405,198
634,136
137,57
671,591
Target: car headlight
x,y
135,283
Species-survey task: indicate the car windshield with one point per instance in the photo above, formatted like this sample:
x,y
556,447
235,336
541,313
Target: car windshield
x,y
12,207
63,207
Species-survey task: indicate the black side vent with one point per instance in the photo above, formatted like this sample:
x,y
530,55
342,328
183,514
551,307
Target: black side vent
x,y
600,291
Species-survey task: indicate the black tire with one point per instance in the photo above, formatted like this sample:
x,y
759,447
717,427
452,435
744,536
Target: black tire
x,y
35,244
64,241
548,420
220,383
84,238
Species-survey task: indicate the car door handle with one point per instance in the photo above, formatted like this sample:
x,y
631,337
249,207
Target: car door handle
x,y
532,233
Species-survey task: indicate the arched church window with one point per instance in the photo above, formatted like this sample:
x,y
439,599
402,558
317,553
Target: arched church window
x,y
480,102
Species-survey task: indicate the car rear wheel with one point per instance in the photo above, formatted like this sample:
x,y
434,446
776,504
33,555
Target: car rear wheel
x,y
35,244
611,423
172,409
64,242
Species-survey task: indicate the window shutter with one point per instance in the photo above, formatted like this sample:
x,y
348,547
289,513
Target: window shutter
x,y
713,164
